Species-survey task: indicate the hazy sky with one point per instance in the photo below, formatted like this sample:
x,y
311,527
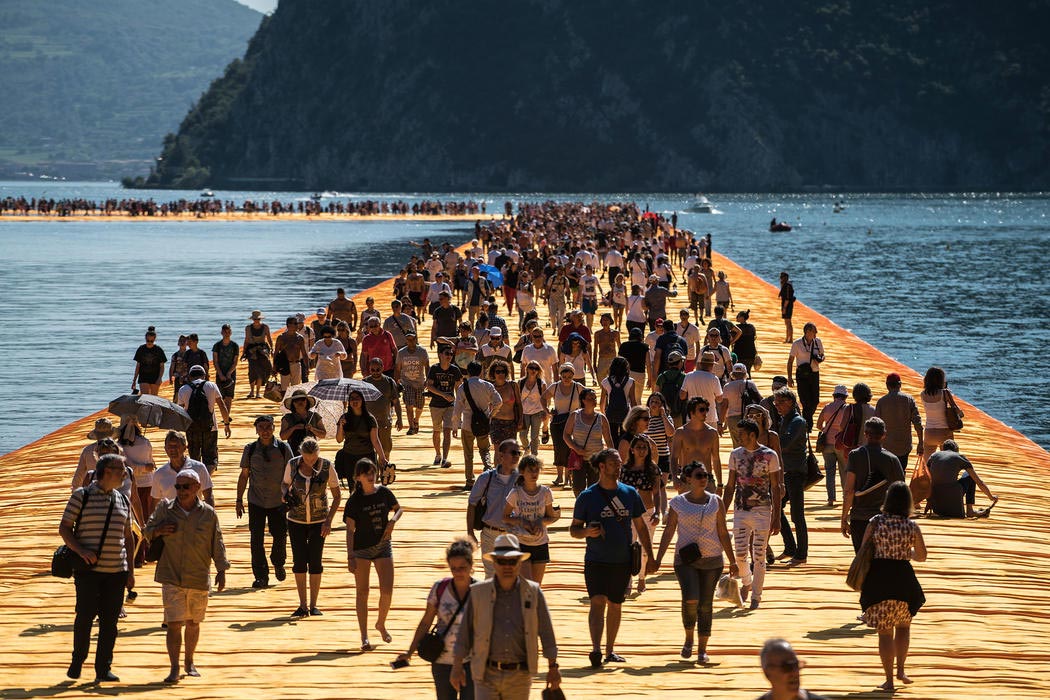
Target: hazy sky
x,y
260,5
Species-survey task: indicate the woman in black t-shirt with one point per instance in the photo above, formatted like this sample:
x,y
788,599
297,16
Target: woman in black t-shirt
x,y
369,526
358,430
149,365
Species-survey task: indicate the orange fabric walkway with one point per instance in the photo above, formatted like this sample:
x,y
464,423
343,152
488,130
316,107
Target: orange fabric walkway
x,y
982,632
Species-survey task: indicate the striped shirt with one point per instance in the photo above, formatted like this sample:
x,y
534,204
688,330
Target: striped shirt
x,y
91,521
658,433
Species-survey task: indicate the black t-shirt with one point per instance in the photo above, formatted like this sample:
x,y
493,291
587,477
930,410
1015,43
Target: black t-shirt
x,y
635,352
444,380
370,515
445,320
357,433
196,357
870,465
150,360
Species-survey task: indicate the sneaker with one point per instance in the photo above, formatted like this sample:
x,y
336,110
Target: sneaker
x,y
301,612
315,612
614,658
279,573
74,669
754,604
257,583
107,677
437,462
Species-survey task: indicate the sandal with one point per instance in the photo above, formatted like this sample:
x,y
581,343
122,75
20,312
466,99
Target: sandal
x,y
546,437
687,650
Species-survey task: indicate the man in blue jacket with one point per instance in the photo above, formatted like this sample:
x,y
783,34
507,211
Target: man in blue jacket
x,y
793,433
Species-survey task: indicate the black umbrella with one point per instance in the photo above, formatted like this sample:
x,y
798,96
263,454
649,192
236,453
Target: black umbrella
x,y
151,411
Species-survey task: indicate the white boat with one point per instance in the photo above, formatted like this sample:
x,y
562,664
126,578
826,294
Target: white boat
x,y
207,193
702,205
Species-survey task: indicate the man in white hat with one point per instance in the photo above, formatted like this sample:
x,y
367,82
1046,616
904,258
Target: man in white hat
x,y
504,622
496,349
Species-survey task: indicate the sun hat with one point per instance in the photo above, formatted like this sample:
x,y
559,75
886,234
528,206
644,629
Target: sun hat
x,y
103,429
567,366
299,394
257,315
506,545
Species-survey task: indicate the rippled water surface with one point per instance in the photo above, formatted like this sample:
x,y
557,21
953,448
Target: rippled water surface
x,y
954,280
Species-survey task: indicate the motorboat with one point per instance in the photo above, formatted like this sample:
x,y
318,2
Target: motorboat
x,y
702,205
779,226
207,194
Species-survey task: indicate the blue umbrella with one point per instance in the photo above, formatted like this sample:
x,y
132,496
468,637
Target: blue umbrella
x,y
492,274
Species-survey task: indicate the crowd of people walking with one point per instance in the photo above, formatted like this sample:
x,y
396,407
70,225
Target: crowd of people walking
x,y
632,419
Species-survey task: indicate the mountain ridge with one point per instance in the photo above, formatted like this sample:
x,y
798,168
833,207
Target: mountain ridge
x,y
552,95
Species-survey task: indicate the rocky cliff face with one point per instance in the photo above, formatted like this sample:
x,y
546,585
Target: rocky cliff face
x,y
581,95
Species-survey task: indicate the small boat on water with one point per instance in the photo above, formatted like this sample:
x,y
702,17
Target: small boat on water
x,y
839,207
207,194
778,226
702,205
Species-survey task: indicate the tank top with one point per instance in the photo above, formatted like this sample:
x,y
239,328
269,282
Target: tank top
x,y
565,403
657,434
641,479
697,522
531,399
934,408
588,434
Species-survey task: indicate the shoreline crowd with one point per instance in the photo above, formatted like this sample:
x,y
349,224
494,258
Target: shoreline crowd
x,y
209,206
635,306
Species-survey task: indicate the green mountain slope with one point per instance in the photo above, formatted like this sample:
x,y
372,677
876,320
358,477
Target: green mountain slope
x,y
633,95
86,87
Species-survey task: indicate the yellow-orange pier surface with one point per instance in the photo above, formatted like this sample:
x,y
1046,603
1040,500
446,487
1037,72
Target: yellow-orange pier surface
x,y
983,633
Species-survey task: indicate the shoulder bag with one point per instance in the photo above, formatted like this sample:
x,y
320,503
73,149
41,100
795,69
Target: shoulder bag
x,y
813,474
575,460
65,562
432,645
822,435
952,414
480,424
858,570
636,546
482,506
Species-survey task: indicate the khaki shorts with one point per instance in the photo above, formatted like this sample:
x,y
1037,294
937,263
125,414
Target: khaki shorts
x,y
183,604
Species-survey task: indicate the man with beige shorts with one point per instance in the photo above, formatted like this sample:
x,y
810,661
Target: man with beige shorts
x,y
192,540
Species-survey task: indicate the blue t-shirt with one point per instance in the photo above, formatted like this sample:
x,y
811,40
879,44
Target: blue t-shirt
x,y
592,505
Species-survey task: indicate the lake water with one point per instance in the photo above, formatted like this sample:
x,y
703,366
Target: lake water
x,y
929,279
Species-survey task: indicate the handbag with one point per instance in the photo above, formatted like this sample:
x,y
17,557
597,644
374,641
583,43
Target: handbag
x,y
636,547
813,474
552,694
432,645
849,438
65,562
273,390
575,459
480,424
858,569
155,549
953,415
822,435
483,502
921,485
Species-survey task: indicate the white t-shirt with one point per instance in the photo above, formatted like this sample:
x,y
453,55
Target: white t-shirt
x,y
446,608
545,355
691,334
435,289
614,259
802,350
702,383
164,479
328,356
636,309
211,391
434,266
589,286
533,507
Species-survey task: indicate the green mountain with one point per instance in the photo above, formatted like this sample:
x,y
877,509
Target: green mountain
x,y
88,89
681,95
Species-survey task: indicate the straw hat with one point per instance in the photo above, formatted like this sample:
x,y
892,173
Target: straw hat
x,y
506,546
103,429
257,315
299,394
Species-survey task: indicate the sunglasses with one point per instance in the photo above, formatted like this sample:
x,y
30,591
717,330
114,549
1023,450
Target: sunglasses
x,y
505,561
701,409
700,475
787,666
513,453
183,487
499,371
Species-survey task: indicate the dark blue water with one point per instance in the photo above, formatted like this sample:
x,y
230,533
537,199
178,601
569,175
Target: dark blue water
x,y
929,279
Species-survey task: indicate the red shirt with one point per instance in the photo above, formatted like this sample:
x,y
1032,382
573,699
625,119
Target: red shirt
x,y
569,329
379,345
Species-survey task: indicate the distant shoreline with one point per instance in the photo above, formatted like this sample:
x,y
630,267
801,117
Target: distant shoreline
x,y
247,216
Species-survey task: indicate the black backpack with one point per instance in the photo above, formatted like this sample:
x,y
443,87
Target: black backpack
x,y
198,407
749,395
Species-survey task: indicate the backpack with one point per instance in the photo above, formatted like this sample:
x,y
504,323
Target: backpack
x,y
749,395
850,436
198,407
671,390
616,407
